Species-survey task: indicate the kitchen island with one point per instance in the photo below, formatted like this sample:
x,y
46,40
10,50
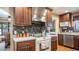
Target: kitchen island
x,y
34,43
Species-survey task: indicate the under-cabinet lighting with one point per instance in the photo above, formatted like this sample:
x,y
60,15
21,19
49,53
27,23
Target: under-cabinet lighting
x,y
45,12
35,20
66,11
34,16
43,19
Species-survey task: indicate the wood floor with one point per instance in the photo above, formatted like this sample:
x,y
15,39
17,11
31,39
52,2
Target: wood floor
x,y
62,48
59,48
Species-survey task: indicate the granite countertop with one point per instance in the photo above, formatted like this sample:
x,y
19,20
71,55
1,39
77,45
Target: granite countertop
x,y
32,38
70,33
23,39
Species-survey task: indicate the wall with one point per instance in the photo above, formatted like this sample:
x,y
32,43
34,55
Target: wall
x,y
56,17
11,28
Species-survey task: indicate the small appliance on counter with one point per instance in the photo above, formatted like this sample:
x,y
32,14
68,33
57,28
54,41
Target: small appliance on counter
x,y
22,35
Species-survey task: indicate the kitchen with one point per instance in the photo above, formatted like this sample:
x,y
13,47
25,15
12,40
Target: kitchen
x,y
40,29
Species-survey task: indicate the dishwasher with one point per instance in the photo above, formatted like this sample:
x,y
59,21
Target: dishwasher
x,y
68,40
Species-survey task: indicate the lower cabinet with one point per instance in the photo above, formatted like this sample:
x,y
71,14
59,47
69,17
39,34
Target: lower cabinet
x,y
53,43
26,46
76,42
67,41
60,39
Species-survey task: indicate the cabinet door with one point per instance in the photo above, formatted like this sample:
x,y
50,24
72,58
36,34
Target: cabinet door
x,y
23,16
76,42
49,16
53,43
61,18
26,16
60,39
26,46
19,16
65,17
30,15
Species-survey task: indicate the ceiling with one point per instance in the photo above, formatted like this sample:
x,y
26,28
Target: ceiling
x,y
39,11
61,10
4,11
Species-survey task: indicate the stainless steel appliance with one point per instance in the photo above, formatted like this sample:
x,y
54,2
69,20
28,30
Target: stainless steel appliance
x,y
76,25
68,40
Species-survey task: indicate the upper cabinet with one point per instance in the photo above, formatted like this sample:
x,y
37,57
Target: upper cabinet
x,y
75,17
65,17
49,15
23,16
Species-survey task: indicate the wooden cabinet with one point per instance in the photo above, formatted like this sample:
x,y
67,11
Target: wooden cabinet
x,y
30,16
65,17
76,42
49,15
23,16
76,17
53,43
60,39
26,46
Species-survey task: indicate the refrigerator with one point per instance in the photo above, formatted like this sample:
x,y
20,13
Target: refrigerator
x,y
76,26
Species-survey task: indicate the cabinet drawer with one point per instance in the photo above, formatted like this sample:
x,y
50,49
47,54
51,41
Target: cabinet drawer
x,y
26,45
53,45
76,42
19,44
60,39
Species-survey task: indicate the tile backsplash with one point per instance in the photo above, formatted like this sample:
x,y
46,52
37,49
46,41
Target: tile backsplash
x,y
35,29
30,29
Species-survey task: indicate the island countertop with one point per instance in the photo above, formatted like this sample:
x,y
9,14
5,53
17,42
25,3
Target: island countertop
x,y
23,39
38,40
20,39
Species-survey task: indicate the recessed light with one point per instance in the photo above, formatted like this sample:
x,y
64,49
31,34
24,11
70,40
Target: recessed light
x,y
66,11
43,17
45,10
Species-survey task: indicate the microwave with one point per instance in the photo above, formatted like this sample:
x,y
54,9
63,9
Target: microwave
x,y
62,24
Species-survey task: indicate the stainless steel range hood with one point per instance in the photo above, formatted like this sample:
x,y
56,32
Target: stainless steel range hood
x,y
39,14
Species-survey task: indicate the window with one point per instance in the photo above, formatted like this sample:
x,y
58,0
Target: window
x,y
0,29
4,27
